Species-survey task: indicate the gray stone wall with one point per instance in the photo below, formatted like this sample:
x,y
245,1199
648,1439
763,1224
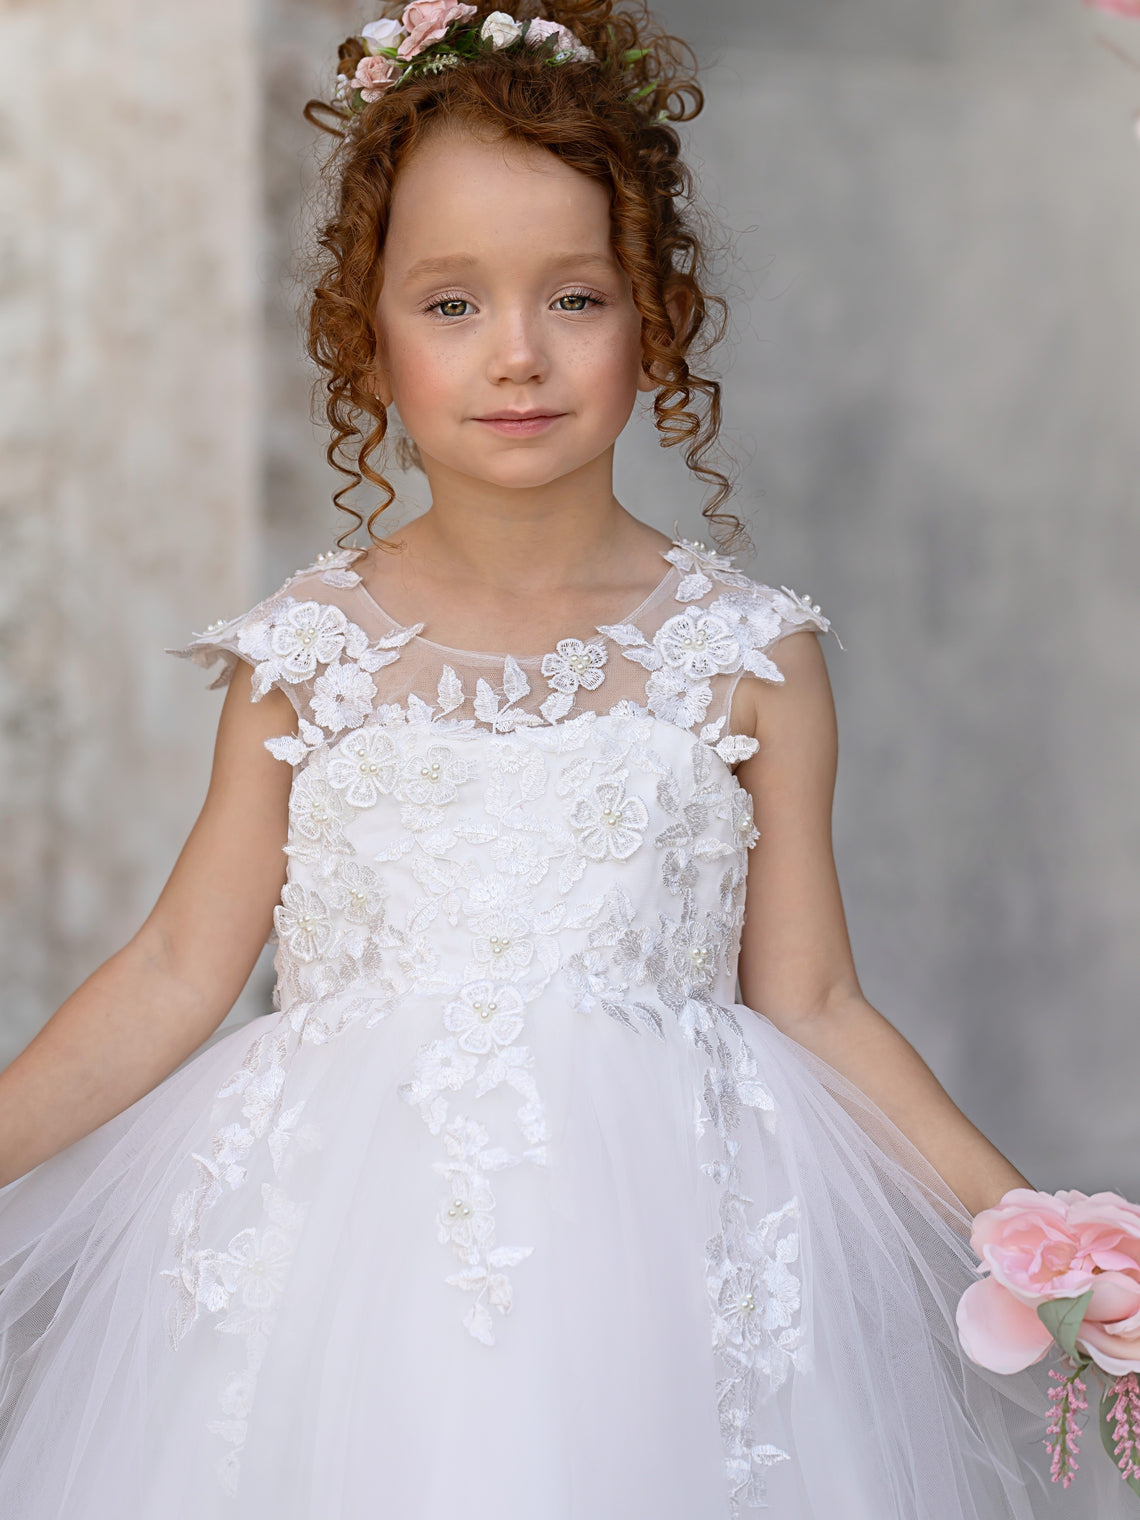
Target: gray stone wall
x,y
129,318
931,388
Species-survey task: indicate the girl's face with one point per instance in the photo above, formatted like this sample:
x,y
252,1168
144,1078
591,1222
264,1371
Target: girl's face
x,y
509,340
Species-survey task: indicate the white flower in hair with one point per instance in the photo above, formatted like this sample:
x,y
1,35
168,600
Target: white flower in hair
x,y
501,30
381,34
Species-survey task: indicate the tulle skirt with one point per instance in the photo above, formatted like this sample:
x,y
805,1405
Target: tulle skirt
x,y
600,1397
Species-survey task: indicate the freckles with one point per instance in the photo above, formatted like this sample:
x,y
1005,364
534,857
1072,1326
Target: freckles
x,y
420,369
605,363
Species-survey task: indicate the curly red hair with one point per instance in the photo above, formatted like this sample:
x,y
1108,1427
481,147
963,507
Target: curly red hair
x,y
611,119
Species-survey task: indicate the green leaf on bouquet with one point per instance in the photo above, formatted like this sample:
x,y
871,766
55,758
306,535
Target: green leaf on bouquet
x,y
1062,1318
1108,1439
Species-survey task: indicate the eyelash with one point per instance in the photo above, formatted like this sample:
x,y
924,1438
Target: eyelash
x,y
567,295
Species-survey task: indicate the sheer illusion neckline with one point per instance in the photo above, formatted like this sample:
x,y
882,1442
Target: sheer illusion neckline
x,y
521,659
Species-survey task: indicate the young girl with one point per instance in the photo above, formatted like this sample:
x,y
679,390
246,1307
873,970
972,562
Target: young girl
x,y
513,1210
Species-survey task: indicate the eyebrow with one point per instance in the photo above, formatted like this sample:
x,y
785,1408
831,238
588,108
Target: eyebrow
x,y
451,261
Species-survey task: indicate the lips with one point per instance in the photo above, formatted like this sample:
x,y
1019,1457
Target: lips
x,y
520,424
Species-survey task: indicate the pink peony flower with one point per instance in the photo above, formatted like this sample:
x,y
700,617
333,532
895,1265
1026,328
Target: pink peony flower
x,y
997,1330
1110,1330
1042,1246
566,42
1118,7
373,76
425,22
538,31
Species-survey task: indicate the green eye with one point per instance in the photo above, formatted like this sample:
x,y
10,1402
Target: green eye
x,y
573,302
454,307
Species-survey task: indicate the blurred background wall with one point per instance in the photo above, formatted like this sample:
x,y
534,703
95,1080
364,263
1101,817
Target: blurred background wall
x,y
932,390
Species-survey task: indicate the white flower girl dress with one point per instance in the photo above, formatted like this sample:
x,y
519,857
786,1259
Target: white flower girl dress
x,y
510,1211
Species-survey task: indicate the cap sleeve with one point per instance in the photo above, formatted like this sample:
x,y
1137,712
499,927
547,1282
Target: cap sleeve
x,y
301,641
248,637
760,617
286,637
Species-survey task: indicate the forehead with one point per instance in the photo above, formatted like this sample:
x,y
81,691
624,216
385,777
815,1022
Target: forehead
x,y
460,192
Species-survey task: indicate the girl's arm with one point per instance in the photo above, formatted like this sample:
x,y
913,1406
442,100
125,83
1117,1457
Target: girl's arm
x,y
155,1001
796,964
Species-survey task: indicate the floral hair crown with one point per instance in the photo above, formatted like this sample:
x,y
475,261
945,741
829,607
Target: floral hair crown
x,y
433,35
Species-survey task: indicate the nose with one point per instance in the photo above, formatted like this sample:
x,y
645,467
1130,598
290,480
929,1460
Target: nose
x,y
517,354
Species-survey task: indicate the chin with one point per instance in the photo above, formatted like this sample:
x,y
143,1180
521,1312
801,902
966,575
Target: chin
x,y
522,472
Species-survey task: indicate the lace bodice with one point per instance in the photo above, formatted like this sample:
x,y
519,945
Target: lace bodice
x,y
471,833
323,640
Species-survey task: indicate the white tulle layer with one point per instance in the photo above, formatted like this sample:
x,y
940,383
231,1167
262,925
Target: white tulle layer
x,y
598,1399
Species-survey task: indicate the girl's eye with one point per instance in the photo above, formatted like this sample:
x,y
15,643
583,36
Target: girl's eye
x,y
576,300
451,306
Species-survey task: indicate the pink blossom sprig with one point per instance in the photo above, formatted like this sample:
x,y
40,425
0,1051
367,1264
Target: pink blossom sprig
x,y
1130,9
1117,7
1067,1402
1122,1416
1061,1272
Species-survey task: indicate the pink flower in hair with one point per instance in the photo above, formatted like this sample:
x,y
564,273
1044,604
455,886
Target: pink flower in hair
x,y
425,22
566,44
373,76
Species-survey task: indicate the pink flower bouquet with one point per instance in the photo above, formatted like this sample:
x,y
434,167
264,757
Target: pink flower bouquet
x,y
1117,7
1062,1270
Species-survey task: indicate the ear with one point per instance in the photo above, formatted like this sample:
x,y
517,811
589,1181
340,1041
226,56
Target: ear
x,y
378,380
378,383
678,304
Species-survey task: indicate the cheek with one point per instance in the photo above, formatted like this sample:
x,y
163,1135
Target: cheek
x,y
423,375
606,363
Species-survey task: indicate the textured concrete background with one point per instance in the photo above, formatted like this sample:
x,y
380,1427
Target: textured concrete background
x,y
932,389
129,327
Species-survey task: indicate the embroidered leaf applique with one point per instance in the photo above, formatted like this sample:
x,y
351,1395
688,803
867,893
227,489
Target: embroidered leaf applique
x,y
486,702
693,586
292,748
449,691
557,705
623,633
515,684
